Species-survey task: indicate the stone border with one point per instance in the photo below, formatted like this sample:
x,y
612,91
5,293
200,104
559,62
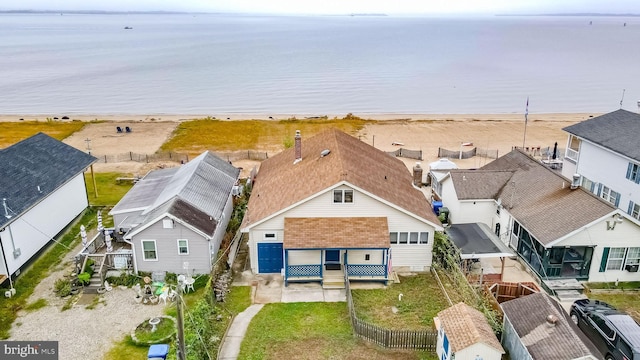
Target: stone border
x,y
138,342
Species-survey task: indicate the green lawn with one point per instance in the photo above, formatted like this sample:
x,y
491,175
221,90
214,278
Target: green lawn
x,y
421,301
197,136
109,192
628,302
311,331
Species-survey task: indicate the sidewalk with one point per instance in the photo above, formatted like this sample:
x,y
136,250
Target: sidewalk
x,y
233,340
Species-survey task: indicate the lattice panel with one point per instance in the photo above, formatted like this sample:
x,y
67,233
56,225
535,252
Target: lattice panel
x,y
303,270
366,270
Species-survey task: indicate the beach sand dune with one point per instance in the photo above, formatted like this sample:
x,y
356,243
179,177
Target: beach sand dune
x,y
424,132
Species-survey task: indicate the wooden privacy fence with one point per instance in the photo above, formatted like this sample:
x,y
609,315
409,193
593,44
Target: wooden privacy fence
x,y
405,339
178,157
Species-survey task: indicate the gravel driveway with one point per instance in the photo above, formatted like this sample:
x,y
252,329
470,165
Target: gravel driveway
x,y
82,333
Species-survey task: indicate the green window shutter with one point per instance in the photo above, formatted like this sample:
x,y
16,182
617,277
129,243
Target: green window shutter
x,y
605,257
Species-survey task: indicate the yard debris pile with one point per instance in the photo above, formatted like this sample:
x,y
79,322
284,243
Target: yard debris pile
x,y
221,286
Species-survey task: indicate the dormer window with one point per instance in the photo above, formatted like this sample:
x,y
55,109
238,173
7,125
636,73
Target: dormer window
x,y
342,196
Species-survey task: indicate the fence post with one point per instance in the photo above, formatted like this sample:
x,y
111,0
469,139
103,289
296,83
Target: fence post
x,y
131,155
147,155
105,159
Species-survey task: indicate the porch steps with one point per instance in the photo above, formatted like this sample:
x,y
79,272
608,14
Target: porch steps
x,y
569,295
94,284
333,279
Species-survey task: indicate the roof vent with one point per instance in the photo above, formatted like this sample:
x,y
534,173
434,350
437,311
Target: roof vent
x,y
325,152
552,320
575,182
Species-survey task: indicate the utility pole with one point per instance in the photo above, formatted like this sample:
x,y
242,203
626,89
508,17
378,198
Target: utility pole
x,y
180,353
93,177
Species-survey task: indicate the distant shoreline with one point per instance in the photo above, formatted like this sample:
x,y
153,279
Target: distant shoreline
x,y
276,117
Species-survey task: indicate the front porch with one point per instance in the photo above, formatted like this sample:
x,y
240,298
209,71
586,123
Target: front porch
x,y
331,273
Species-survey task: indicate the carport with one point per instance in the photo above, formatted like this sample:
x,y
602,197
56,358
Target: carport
x,y
476,241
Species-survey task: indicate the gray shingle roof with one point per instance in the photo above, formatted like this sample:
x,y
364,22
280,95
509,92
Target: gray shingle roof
x,y
618,131
193,192
37,161
528,315
540,199
479,184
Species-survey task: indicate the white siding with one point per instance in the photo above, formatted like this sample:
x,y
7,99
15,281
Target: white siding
x,y
39,225
626,234
608,168
305,257
483,211
357,257
405,257
478,351
362,206
450,201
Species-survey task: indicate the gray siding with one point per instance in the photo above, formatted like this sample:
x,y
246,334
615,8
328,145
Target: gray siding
x,y
221,229
512,344
167,249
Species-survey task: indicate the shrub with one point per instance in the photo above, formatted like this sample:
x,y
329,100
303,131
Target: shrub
x,y
62,287
124,279
84,278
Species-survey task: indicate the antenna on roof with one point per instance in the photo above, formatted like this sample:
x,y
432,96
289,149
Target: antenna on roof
x,y
622,98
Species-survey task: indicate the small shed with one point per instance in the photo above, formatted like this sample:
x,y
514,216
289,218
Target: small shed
x,y
537,327
465,334
437,171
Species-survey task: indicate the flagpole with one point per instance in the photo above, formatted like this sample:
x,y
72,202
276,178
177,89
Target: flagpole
x,y
526,115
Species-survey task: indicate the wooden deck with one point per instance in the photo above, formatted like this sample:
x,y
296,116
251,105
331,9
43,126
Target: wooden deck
x,y
3,278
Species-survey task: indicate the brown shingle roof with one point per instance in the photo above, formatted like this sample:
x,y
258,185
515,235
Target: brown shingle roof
x,y
280,183
540,199
528,316
466,326
357,232
479,184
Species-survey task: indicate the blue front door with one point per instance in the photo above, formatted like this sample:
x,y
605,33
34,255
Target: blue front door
x,y
270,258
332,259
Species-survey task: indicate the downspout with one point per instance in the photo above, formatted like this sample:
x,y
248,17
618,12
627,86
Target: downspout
x,y
6,266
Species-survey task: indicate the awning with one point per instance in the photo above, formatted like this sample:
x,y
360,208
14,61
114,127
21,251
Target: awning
x,y
336,233
476,241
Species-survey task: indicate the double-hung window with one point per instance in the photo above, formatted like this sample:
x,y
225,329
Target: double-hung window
x,y
633,173
183,247
149,251
610,195
634,210
616,258
411,238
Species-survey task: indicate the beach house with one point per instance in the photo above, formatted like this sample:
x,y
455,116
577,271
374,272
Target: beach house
x,y
603,151
42,189
175,219
559,229
334,204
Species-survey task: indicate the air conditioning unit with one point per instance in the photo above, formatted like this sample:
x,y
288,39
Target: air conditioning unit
x,y
632,268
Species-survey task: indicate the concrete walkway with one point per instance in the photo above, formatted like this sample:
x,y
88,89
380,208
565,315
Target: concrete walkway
x,y
233,340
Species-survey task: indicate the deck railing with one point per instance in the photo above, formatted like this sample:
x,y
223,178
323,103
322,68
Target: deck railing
x,y
304,270
367,270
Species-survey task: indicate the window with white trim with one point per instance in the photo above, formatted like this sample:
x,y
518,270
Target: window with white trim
x,y
633,257
149,251
342,196
411,238
183,247
616,258
633,172
609,195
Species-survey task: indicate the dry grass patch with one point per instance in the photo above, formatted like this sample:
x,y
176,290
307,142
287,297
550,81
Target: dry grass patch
x,y
197,136
13,132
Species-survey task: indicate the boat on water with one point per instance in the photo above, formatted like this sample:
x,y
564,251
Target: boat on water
x,y
128,28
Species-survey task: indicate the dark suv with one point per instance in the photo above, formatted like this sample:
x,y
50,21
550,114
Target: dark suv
x,y
613,332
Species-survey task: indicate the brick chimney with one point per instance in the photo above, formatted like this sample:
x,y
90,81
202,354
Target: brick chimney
x,y
417,175
298,147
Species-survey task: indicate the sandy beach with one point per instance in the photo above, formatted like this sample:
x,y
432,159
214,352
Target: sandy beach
x,y
246,116
426,132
